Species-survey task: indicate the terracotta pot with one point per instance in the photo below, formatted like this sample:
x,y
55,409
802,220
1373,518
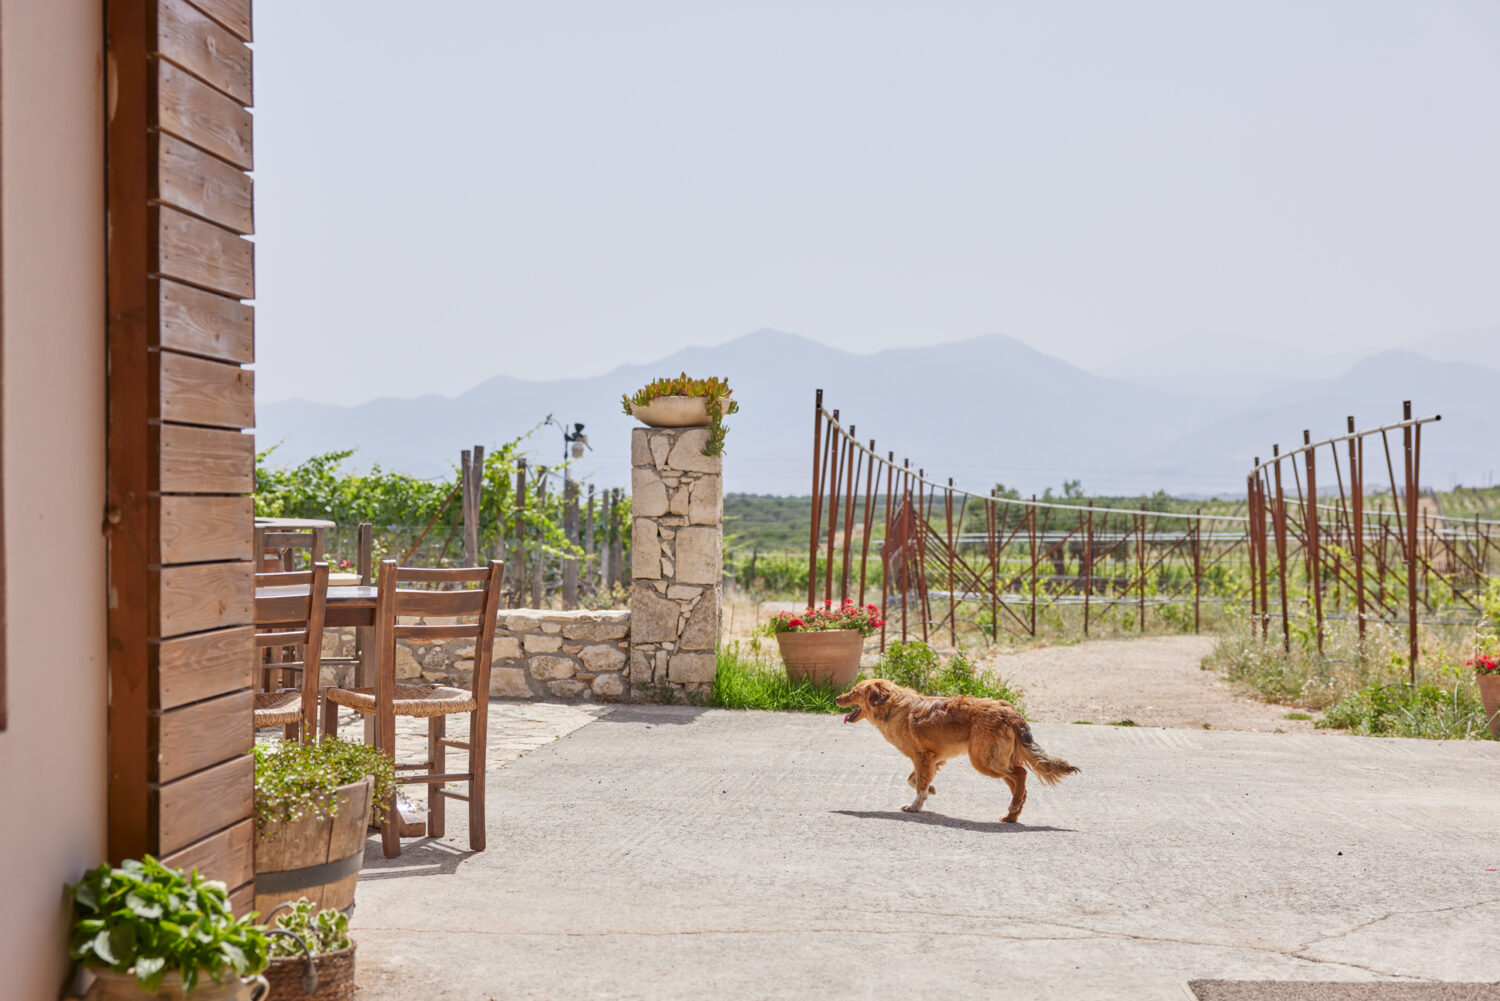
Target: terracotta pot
x,y
313,858
675,412
1489,692
112,986
824,657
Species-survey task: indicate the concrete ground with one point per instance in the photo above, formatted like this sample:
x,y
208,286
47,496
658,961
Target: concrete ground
x,y
682,853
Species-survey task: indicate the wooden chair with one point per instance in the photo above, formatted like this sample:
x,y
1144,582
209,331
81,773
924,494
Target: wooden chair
x,y
436,703
296,709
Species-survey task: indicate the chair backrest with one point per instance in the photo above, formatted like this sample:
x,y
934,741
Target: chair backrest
x,y
276,548
305,629
481,601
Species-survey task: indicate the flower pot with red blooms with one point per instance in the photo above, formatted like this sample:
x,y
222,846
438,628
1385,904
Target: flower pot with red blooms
x,y
823,645
1487,671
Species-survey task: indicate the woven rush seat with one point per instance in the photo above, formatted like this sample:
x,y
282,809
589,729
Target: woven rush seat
x,y
408,700
278,708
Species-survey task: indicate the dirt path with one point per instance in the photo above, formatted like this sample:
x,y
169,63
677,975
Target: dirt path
x,y
1154,681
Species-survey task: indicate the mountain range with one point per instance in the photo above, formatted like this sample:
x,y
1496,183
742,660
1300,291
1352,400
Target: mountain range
x,y
984,411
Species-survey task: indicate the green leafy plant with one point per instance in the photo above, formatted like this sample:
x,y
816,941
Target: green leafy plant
x,y
714,392
746,679
322,931
153,920
295,780
917,665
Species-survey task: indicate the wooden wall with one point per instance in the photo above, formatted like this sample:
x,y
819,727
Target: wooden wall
x,y
180,463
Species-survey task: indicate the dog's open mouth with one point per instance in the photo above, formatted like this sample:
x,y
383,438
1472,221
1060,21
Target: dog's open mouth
x,y
853,714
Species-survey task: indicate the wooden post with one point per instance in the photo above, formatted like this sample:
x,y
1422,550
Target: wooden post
x,y
589,568
537,564
518,575
570,529
616,544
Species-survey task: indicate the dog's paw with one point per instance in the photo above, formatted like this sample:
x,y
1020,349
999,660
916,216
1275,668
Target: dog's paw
x,y
911,808
932,790
1013,819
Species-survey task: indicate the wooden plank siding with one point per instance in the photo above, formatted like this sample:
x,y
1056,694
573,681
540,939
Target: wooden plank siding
x,y
178,146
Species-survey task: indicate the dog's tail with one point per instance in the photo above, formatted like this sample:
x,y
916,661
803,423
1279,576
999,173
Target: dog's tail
x,y
1043,765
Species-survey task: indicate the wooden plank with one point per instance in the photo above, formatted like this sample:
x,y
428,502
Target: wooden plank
x,y
232,14
193,111
205,48
200,529
204,185
201,323
203,461
228,856
200,391
203,254
193,737
203,596
130,313
192,808
199,667
242,900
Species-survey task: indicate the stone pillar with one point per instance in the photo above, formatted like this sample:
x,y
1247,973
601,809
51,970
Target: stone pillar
x,y
676,562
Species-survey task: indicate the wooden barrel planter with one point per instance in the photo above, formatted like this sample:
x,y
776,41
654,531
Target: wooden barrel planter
x,y
315,858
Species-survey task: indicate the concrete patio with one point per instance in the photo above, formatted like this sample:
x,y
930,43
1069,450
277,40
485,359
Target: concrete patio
x,y
679,853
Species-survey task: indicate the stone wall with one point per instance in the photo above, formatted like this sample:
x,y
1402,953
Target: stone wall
x,y
677,550
538,654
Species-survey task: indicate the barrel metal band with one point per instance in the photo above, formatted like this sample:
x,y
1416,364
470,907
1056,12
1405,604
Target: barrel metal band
x,y
291,880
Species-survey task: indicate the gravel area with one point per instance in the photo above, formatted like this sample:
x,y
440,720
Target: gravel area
x,y
1152,681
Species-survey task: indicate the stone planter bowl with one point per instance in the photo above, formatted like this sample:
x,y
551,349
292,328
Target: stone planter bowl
x,y
824,657
674,412
111,986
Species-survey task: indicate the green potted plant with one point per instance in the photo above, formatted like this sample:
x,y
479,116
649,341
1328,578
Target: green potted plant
x,y
312,955
144,929
1486,659
823,645
313,804
684,402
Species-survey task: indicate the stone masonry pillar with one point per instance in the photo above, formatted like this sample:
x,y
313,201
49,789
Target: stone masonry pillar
x,y
676,563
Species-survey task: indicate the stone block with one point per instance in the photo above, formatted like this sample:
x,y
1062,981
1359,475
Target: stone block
x,y
406,664
614,625
640,447
661,444
679,501
609,686
645,550
540,643
687,453
691,668
683,592
506,648
568,689
648,495
702,629
552,627
549,668
653,619
641,665
509,683
700,554
602,658
463,667
706,505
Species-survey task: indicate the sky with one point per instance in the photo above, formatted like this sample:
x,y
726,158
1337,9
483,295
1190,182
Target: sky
x,y
552,189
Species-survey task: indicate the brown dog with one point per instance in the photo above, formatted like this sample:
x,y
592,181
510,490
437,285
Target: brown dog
x,y
930,731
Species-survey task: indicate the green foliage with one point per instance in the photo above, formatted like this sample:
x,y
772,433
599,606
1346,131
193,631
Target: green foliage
x,y
713,390
295,780
322,931
401,506
747,679
155,920
1401,709
917,665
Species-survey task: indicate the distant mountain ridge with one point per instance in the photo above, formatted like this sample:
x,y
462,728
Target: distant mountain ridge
x,y
987,410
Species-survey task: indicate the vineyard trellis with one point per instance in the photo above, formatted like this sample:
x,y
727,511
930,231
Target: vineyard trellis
x,y
949,556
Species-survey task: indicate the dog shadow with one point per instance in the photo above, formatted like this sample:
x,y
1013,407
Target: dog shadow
x,y
938,820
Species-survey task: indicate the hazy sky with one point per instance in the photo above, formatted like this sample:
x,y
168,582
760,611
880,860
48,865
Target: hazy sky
x,y
449,192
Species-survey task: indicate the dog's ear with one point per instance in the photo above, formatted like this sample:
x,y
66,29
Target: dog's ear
x,y
878,695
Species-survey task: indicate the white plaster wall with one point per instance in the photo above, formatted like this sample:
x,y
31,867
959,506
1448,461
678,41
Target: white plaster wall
x,y
53,753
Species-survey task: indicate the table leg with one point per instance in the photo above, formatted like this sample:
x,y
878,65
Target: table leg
x,y
364,674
